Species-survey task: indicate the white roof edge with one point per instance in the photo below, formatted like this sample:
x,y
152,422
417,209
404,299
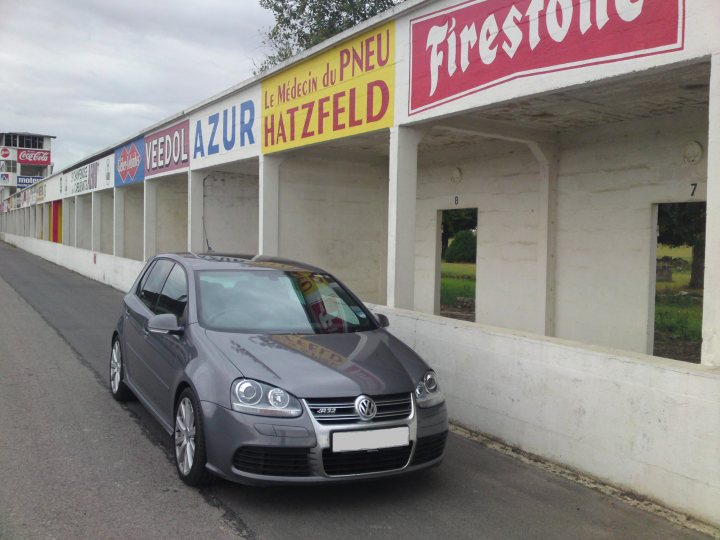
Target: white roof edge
x,y
387,15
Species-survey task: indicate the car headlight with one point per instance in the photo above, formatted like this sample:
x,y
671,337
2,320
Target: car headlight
x,y
253,397
427,391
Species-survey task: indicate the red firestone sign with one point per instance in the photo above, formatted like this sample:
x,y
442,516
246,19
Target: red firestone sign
x,y
478,44
33,157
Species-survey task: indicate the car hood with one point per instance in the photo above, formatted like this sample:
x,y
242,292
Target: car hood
x,y
324,365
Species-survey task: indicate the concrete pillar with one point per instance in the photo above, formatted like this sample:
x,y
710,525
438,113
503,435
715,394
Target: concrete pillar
x,y
548,157
401,217
119,223
711,301
196,209
95,221
269,226
150,219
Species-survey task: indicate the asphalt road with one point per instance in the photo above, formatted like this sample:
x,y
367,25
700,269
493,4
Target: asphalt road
x,y
75,464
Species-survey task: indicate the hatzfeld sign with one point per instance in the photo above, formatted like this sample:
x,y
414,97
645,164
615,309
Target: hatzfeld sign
x,y
478,44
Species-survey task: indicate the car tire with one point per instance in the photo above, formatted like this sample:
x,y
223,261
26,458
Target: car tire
x,y
118,388
189,440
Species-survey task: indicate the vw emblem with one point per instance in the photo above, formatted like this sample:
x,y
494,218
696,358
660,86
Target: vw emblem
x,y
365,408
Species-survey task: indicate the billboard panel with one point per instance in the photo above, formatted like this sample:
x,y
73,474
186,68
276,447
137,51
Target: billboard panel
x,y
341,92
168,150
130,163
471,46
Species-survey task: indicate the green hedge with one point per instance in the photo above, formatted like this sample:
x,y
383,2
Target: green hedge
x,y
463,248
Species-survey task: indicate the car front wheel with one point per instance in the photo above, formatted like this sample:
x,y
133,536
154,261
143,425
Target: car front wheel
x,y
118,388
190,457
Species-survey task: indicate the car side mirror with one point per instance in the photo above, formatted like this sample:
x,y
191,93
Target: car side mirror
x,y
383,321
165,323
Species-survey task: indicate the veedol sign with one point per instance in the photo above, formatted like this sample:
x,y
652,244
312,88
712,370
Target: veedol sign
x,y
478,44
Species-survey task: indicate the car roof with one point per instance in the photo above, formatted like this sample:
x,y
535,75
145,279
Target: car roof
x,y
225,261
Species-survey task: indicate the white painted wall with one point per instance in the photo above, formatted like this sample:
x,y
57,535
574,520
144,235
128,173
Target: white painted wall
x,y
609,178
114,271
68,224
501,180
230,210
646,424
103,222
133,222
172,213
83,221
334,214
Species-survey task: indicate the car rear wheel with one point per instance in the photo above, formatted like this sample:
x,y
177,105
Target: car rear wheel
x,y
118,388
190,457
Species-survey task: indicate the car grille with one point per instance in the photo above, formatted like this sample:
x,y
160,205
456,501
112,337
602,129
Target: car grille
x,y
429,448
272,461
342,410
365,461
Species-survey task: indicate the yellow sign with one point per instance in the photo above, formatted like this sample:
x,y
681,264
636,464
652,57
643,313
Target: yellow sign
x,y
344,91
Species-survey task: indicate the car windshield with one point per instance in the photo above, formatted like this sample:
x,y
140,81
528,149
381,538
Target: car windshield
x,y
277,302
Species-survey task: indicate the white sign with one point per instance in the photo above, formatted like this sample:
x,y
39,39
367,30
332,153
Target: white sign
x,y
91,177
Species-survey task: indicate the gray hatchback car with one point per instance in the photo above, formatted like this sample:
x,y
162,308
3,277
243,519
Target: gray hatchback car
x,y
268,371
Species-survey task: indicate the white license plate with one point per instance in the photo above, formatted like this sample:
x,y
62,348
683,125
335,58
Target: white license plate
x,y
372,439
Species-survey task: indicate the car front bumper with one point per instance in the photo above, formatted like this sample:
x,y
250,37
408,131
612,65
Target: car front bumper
x,y
297,450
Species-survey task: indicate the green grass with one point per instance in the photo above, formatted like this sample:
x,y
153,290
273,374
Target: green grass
x,y
683,252
458,270
457,279
679,317
451,288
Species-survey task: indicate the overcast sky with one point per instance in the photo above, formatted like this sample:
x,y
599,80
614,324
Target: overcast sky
x,y
92,72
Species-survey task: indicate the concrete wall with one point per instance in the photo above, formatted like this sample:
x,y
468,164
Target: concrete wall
x,y
83,221
103,221
230,210
133,222
646,424
172,214
68,221
334,214
500,179
114,271
609,180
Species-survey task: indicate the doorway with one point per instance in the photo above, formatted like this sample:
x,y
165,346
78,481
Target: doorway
x,y
457,263
679,281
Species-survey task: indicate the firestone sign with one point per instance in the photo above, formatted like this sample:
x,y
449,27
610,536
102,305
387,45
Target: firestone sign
x,y
168,150
130,163
475,45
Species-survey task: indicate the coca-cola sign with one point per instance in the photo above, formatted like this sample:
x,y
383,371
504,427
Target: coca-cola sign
x,y
475,45
130,163
33,157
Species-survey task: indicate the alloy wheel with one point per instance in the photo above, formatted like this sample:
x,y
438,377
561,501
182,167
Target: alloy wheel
x,y
185,436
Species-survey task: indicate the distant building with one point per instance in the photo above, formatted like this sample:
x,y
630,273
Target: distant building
x,y
25,158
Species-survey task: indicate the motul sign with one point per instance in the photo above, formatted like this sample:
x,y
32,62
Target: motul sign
x,y
475,45
33,157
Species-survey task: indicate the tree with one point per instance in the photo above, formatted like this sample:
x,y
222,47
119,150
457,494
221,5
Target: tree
x,y
300,24
454,221
463,249
683,224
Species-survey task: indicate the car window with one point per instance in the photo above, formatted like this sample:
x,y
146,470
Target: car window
x,y
173,297
154,283
276,302
144,278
